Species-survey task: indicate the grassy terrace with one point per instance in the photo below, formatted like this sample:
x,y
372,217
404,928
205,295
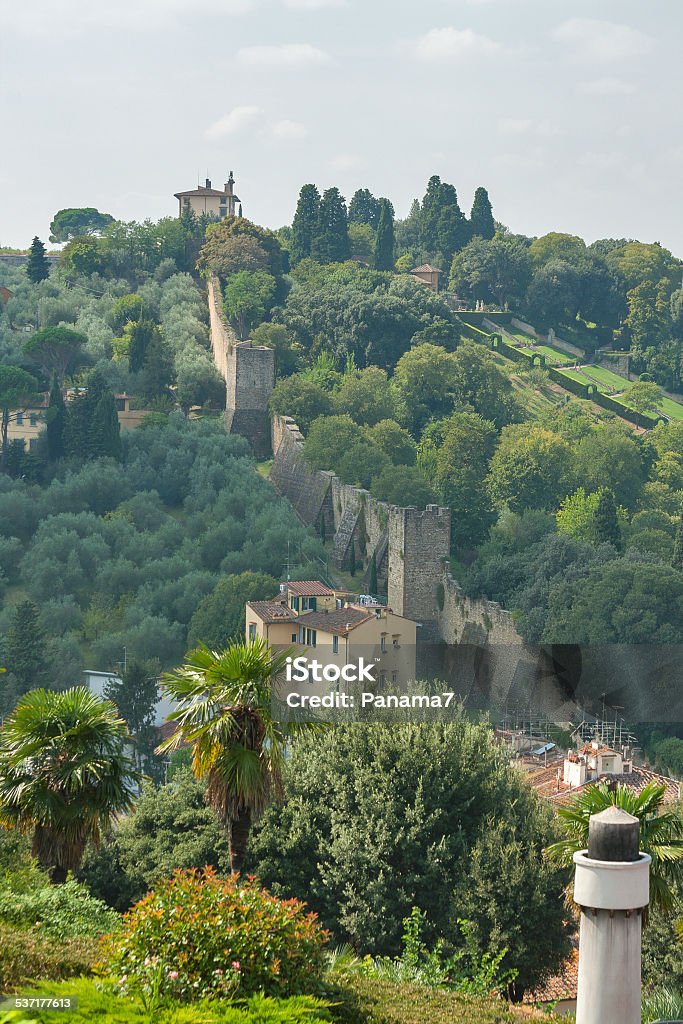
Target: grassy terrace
x,y
612,382
674,410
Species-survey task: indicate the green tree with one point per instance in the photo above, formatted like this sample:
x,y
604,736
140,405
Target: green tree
x,y
424,380
25,649
18,389
498,270
361,463
482,224
171,827
643,396
136,694
330,243
63,774
106,430
287,350
463,462
158,373
56,349
378,819
305,224
403,486
606,522
384,242
219,235
478,381
609,456
364,208
70,223
248,297
83,256
362,243
661,832
531,468
394,442
219,618
37,265
225,713
128,309
56,422
140,334
328,440
366,396
557,246
302,399
677,559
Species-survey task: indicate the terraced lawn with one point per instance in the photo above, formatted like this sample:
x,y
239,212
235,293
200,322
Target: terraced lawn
x,y
674,410
612,381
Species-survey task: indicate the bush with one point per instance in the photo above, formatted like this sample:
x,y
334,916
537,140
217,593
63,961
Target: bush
x,y
28,955
360,1000
60,911
204,927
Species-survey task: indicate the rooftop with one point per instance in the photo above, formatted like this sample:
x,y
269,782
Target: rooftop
x,y
309,588
426,268
340,621
272,611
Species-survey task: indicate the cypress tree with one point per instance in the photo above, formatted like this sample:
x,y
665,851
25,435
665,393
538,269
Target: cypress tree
x,y
430,210
25,649
331,241
305,224
384,241
372,585
677,560
141,335
364,208
56,422
606,522
106,432
482,224
37,267
352,559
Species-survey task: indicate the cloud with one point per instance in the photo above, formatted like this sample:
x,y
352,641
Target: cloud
x,y
528,127
596,41
73,17
286,55
238,119
289,131
449,43
606,87
313,5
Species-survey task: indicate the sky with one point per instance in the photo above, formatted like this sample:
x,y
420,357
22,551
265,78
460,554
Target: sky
x,y
569,113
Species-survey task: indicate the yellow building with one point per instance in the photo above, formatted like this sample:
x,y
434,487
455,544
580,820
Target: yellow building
x,y
208,201
26,425
336,627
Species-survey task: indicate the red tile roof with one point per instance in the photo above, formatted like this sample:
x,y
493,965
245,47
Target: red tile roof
x,y
309,588
340,621
563,986
426,268
272,611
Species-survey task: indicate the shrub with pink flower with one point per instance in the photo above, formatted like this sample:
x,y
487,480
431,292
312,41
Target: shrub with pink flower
x,y
214,937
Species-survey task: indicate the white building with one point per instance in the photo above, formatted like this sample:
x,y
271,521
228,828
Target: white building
x,y
97,681
592,762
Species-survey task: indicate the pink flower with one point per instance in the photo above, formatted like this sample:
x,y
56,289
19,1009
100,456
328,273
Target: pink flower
x,y
147,961
218,971
235,965
173,975
123,980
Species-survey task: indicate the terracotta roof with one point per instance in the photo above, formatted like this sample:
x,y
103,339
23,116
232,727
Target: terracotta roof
x,y
272,611
426,268
544,779
201,190
563,986
310,588
340,621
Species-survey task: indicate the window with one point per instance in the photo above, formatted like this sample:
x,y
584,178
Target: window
x,y
294,603
32,443
335,645
394,677
311,637
394,642
382,680
293,638
383,644
20,419
252,630
309,604
302,635
33,418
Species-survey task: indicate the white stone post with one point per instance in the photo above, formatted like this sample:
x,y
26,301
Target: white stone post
x,y
612,887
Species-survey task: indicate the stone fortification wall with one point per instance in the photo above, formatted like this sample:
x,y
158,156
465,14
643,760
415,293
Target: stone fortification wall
x,y
249,374
411,546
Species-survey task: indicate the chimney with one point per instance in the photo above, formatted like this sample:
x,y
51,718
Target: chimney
x,y
228,185
208,183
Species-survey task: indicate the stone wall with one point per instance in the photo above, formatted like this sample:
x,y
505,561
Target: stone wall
x,y
249,374
411,546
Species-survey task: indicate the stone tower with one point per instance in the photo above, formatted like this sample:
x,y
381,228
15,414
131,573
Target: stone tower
x,y
250,378
419,544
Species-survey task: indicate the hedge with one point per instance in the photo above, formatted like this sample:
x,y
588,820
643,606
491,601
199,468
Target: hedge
x,y
26,955
360,1000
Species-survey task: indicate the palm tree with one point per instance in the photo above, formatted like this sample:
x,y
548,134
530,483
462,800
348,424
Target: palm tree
x,y
661,832
225,713
64,774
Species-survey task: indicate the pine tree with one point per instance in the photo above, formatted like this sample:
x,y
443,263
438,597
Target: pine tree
x,y
384,241
372,585
331,242
25,649
38,266
606,523
56,422
305,224
482,224
352,559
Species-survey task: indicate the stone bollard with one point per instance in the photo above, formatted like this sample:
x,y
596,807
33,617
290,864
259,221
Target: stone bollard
x,y
612,887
